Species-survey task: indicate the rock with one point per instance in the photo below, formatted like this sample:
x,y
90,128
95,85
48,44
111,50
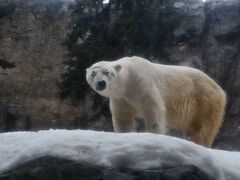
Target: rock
x,y
12,115
194,16
215,49
32,38
62,169
220,58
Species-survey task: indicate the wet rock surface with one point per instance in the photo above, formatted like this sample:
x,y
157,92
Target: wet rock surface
x,y
54,168
215,49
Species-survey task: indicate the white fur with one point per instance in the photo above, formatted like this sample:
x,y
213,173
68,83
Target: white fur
x,y
162,95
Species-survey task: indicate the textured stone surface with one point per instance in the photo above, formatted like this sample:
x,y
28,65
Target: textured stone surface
x,y
47,168
216,50
221,60
32,37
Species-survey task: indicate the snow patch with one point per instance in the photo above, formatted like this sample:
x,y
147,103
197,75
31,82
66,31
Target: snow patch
x,y
128,150
105,1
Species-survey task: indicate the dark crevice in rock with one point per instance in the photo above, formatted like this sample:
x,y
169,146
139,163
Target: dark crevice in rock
x,y
50,168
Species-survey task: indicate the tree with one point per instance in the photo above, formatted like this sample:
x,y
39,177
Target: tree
x,y
110,31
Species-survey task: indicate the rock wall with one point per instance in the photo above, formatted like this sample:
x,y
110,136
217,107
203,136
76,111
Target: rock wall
x,y
221,59
32,37
209,39
61,169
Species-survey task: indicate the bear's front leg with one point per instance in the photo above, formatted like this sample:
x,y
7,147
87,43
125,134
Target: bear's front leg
x,y
154,116
123,116
155,122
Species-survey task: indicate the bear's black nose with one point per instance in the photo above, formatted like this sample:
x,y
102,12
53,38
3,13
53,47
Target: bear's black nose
x,y
101,85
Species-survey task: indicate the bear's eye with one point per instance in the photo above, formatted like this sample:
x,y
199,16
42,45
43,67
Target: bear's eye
x,y
93,74
106,72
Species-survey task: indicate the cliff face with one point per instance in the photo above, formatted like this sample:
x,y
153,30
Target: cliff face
x,y
32,37
209,39
221,58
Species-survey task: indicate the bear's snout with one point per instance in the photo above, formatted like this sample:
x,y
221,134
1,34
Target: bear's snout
x,y
101,85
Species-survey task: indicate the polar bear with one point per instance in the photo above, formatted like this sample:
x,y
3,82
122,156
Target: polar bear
x,y
165,96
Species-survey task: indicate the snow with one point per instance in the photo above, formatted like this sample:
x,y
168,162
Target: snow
x,y
128,150
105,1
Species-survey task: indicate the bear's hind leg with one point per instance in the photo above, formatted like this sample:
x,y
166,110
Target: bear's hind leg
x,y
204,128
200,135
122,116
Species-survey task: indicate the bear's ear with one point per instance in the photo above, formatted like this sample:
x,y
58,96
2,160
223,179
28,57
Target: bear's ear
x,y
118,67
87,69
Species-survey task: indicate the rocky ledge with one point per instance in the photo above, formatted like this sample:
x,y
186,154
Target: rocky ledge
x,y
78,154
47,168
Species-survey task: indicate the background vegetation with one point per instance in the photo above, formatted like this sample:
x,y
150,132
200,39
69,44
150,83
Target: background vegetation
x,y
111,31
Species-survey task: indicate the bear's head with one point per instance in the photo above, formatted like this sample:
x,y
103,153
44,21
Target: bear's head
x,y
100,76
